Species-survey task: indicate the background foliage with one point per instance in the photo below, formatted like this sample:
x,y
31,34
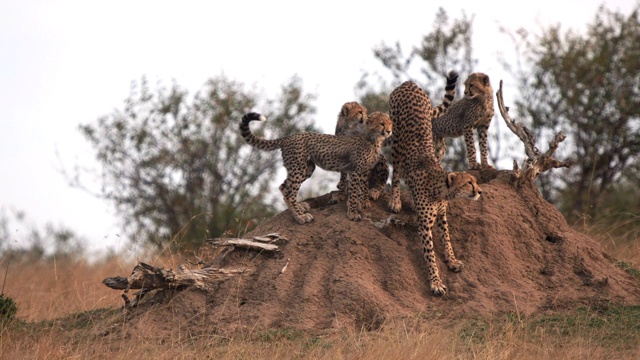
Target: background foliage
x,y
177,167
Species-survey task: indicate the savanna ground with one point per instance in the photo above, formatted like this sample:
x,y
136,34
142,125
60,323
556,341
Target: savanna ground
x,y
64,311
61,302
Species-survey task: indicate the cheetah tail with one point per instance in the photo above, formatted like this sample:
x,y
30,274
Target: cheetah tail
x,y
449,92
260,143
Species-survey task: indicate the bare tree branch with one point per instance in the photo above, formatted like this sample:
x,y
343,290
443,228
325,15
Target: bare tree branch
x,y
535,163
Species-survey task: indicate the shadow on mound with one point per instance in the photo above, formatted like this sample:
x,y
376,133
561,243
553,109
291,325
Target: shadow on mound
x,y
520,256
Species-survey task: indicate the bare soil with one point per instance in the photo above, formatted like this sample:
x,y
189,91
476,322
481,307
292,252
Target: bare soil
x,y
520,256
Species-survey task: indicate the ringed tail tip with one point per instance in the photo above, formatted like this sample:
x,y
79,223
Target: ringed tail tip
x,y
253,116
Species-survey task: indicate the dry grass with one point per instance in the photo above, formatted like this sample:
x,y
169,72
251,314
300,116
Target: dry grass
x,y
64,312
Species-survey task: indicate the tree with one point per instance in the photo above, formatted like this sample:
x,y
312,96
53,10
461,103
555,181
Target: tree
x,y
177,168
588,86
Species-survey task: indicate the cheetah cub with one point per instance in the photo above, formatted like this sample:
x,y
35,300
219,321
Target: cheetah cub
x,y
302,152
352,122
473,111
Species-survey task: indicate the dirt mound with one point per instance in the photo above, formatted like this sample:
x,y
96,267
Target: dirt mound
x,y
519,253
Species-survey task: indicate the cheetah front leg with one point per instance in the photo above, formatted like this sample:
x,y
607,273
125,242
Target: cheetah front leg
x,y
454,264
484,145
357,193
471,148
427,214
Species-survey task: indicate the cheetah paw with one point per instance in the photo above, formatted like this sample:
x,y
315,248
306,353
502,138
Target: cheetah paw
x,y
438,288
304,206
354,216
304,218
366,204
374,194
395,205
456,266
337,197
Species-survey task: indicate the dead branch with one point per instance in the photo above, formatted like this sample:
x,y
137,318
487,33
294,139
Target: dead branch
x,y
147,277
535,163
260,243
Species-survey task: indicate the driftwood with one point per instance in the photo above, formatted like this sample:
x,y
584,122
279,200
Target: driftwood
x,y
147,277
264,242
536,162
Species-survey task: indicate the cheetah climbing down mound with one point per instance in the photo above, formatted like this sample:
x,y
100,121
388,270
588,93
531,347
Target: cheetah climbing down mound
x,y
301,152
430,185
473,111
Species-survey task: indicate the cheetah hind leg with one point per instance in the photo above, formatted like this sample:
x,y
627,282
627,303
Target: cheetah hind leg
x,y
290,188
454,264
357,195
341,194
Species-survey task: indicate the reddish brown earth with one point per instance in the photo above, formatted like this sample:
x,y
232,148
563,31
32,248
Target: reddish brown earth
x,y
520,256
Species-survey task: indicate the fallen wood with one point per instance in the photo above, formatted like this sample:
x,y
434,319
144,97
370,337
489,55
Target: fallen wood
x,y
535,163
256,243
145,276
148,278
244,243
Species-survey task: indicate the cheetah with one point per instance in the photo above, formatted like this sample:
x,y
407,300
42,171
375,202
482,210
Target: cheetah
x,y
473,111
380,173
352,122
430,185
302,152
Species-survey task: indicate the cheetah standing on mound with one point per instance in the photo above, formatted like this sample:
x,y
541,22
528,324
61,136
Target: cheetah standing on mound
x,y
473,111
351,122
430,185
301,152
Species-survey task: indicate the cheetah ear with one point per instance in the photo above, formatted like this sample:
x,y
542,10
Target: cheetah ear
x,y
345,110
485,80
451,177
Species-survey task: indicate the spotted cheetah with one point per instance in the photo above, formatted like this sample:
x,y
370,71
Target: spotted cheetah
x,y
352,122
430,185
473,111
352,125
301,152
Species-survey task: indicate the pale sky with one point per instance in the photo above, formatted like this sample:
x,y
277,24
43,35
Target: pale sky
x,y
63,63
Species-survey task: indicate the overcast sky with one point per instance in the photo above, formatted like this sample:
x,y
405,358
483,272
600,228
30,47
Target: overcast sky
x,y
63,63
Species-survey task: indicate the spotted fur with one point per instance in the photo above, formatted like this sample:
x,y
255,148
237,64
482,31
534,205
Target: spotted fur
x,y
430,185
302,152
473,111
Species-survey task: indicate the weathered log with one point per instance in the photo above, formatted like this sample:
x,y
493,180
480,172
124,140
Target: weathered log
x,y
259,243
535,163
149,277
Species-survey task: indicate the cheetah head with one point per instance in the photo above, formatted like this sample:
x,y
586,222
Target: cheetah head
x,y
352,112
477,85
462,185
380,125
